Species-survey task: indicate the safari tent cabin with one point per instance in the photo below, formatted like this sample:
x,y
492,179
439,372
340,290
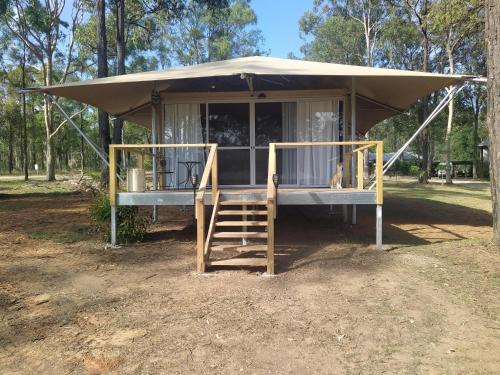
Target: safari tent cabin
x,y
251,134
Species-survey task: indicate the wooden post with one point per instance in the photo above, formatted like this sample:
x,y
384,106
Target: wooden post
x,y
215,176
140,160
270,236
379,172
347,170
361,164
200,235
112,175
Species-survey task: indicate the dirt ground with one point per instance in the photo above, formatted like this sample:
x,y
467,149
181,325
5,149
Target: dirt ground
x,y
429,304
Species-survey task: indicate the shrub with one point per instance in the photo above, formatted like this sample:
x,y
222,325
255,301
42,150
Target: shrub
x,y
131,225
414,170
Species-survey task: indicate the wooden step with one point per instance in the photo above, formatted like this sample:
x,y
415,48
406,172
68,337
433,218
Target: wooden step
x,y
250,262
239,247
242,212
243,203
243,223
240,235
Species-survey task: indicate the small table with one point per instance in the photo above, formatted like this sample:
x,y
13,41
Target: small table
x,y
189,164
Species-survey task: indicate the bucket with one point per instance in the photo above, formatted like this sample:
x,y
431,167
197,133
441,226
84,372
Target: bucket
x,y
136,180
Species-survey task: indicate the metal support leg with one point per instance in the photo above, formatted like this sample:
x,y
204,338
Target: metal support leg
x,y
353,218
345,213
379,227
113,225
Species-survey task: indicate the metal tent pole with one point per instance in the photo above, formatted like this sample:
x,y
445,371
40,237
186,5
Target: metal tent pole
x,y
353,138
154,141
379,227
83,135
442,104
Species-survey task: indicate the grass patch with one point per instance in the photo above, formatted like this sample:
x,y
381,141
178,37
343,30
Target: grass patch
x,y
16,185
474,196
59,237
11,207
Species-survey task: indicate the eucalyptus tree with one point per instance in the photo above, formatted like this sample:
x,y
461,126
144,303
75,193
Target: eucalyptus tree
x,y
452,22
492,9
50,39
209,31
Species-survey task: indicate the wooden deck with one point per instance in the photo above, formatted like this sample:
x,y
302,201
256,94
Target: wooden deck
x,y
285,196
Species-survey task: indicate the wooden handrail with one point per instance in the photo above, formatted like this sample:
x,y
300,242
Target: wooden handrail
x,y
362,148
162,145
211,227
206,172
332,143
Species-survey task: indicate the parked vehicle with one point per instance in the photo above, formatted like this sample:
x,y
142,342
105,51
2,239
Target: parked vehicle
x,y
441,173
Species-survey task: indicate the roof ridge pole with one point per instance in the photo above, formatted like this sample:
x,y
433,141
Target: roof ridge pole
x,y
442,104
82,134
353,138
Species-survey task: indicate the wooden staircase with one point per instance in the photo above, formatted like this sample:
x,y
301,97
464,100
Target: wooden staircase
x,y
240,231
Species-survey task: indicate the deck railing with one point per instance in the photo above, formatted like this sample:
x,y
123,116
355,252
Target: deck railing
x,y
209,170
361,146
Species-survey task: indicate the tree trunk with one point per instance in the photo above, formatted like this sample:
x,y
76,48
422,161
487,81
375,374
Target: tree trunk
x,y
10,162
474,146
450,122
120,69
82,149
102,71
25,131
493,116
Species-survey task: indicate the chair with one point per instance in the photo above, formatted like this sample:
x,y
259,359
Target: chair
x,y
165,174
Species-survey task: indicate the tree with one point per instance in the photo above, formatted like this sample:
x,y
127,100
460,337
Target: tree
x,y
40,28
210,31
419,11
102,71
120,67
453,21
493,117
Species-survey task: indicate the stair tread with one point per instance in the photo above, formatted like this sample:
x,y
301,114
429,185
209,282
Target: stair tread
x,y
252,262
239,247
242,223
231,202
240,235
242,212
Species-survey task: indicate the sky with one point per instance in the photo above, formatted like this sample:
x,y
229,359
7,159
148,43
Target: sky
x,y
279,22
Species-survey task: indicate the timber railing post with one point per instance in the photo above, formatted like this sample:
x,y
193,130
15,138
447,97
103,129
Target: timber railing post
x,y
379,172
271,207
215,175
361,165
200,235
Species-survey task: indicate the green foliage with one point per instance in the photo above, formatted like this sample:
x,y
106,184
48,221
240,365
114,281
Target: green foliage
x,y
205,33
131,225
414,170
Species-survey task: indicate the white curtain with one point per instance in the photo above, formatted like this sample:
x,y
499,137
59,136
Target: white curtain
x,y
317,121
183,124
289,155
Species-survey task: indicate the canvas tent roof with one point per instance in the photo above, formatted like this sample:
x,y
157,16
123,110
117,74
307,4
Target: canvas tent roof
x,y
381,93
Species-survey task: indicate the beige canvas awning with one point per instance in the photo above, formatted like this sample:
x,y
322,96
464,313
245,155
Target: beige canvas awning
x,y
381,93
